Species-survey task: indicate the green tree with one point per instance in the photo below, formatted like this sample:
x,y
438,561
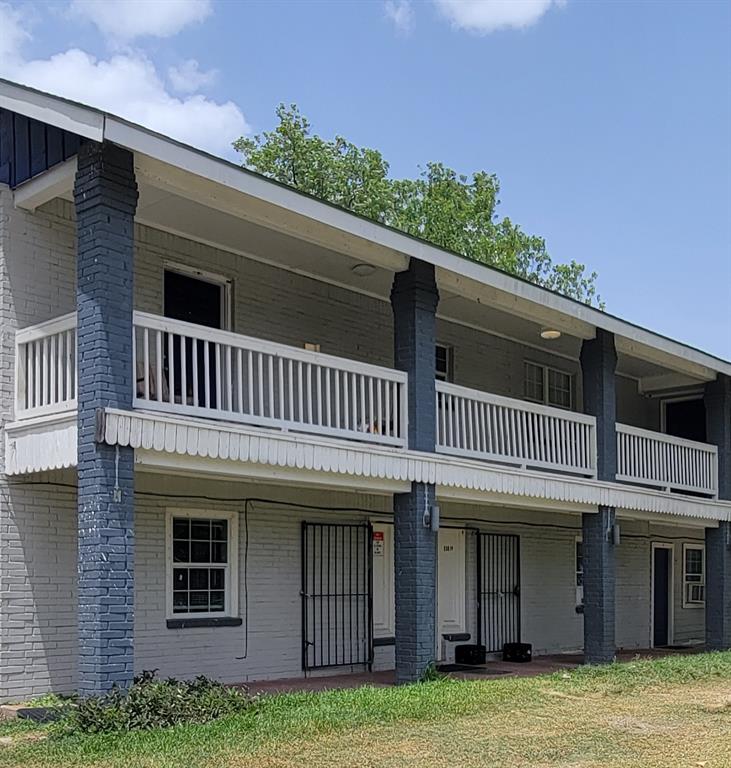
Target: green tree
x,y
453,211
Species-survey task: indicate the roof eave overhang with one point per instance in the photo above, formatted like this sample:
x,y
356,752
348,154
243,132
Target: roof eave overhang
x,y
385,246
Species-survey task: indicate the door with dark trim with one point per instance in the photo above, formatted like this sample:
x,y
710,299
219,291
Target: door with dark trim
x,y
196,300
498,580
661,590
337,599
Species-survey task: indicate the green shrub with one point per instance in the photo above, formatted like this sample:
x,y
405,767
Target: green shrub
x,y
152,703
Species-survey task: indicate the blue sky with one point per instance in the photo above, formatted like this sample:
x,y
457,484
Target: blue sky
x,y
608,123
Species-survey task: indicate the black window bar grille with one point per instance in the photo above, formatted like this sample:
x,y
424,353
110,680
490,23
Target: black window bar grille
x,y
337,600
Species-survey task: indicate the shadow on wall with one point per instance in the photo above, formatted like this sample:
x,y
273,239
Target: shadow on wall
x,y
38,610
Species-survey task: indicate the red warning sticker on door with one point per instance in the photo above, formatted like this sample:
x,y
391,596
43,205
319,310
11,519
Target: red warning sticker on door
x,y
378,542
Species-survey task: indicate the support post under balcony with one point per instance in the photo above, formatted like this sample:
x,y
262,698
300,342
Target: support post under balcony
x,y
414,300
598,365
718,540
105,195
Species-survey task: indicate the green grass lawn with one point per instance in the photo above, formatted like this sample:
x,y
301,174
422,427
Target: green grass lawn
x,y
644,714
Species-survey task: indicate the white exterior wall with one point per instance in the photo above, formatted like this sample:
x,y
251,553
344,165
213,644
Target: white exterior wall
x,y
38,523
271,645
547,561
268,302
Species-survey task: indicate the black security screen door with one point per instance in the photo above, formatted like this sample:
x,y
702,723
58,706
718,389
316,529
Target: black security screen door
x,y
336,595
498,579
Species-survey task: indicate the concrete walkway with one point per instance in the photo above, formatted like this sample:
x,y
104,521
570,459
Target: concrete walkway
x,y
540,665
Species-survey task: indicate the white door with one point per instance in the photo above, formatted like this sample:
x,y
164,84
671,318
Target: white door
x,y
451,596
384,617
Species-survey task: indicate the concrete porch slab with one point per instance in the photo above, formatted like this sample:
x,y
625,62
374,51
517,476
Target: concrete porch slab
x,y
541,665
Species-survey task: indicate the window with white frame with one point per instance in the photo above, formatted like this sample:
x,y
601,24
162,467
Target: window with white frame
x,y
694,575
444,359
579,571
547,385
202,557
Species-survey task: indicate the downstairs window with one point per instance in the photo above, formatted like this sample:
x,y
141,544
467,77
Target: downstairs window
x,y
694,575
201,564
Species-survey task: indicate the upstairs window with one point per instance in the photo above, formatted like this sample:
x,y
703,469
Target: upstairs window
x,y
549,386
444,355
694,575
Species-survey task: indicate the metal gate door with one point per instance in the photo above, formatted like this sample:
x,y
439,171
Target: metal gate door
x,y
336,594
498,580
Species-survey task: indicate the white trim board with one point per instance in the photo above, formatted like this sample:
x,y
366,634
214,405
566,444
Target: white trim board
x,y
234,449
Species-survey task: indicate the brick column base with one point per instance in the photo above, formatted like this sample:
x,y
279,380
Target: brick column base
x,y
599,586
718,587
415,550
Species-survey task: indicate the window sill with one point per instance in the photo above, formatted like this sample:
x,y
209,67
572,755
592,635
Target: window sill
x,y
192,621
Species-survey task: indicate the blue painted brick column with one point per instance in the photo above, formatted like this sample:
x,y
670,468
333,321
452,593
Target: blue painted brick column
x,y
105,195
599,586
598,365
718,540
414,299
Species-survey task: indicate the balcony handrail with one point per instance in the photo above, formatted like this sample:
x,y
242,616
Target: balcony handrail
x,y
511,402
501,429
37,331
45,367
204,333
670,463
190,369
662,437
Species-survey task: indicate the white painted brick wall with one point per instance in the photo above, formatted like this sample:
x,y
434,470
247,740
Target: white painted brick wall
x,y
37,526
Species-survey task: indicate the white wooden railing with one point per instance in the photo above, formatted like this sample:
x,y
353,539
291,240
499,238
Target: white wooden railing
x,y
45,368
501,429
189,369
666,462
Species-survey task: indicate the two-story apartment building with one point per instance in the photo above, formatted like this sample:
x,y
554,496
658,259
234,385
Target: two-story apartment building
x,y
251,435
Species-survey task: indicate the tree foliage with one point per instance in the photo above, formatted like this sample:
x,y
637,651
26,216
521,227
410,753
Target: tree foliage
x,y
453,211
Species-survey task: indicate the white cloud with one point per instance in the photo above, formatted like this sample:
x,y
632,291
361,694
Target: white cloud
x,y
188,77
485,16
125,20
401,14
126,84
14,34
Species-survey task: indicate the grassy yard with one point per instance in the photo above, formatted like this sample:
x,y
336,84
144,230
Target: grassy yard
x,y
643,714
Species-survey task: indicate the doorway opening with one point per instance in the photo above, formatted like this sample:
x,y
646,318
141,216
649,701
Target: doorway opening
x,y
202,299
498,579
685,417
662,595
337,597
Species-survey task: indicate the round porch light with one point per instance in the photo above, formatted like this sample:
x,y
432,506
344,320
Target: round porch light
x,y
363,270
550,333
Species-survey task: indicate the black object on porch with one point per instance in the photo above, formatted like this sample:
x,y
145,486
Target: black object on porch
x,y
498,579
337,600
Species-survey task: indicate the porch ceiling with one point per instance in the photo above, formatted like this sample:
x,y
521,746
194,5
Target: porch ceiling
x,y
201,210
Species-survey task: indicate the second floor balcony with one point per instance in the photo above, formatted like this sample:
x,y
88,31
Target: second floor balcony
x,y
190,370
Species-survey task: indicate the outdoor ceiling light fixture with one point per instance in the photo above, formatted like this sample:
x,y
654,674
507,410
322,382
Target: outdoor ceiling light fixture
x,y
363,270
550,333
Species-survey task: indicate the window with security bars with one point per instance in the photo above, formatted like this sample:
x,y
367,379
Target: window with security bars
x,y
694,575
200,566
549,386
